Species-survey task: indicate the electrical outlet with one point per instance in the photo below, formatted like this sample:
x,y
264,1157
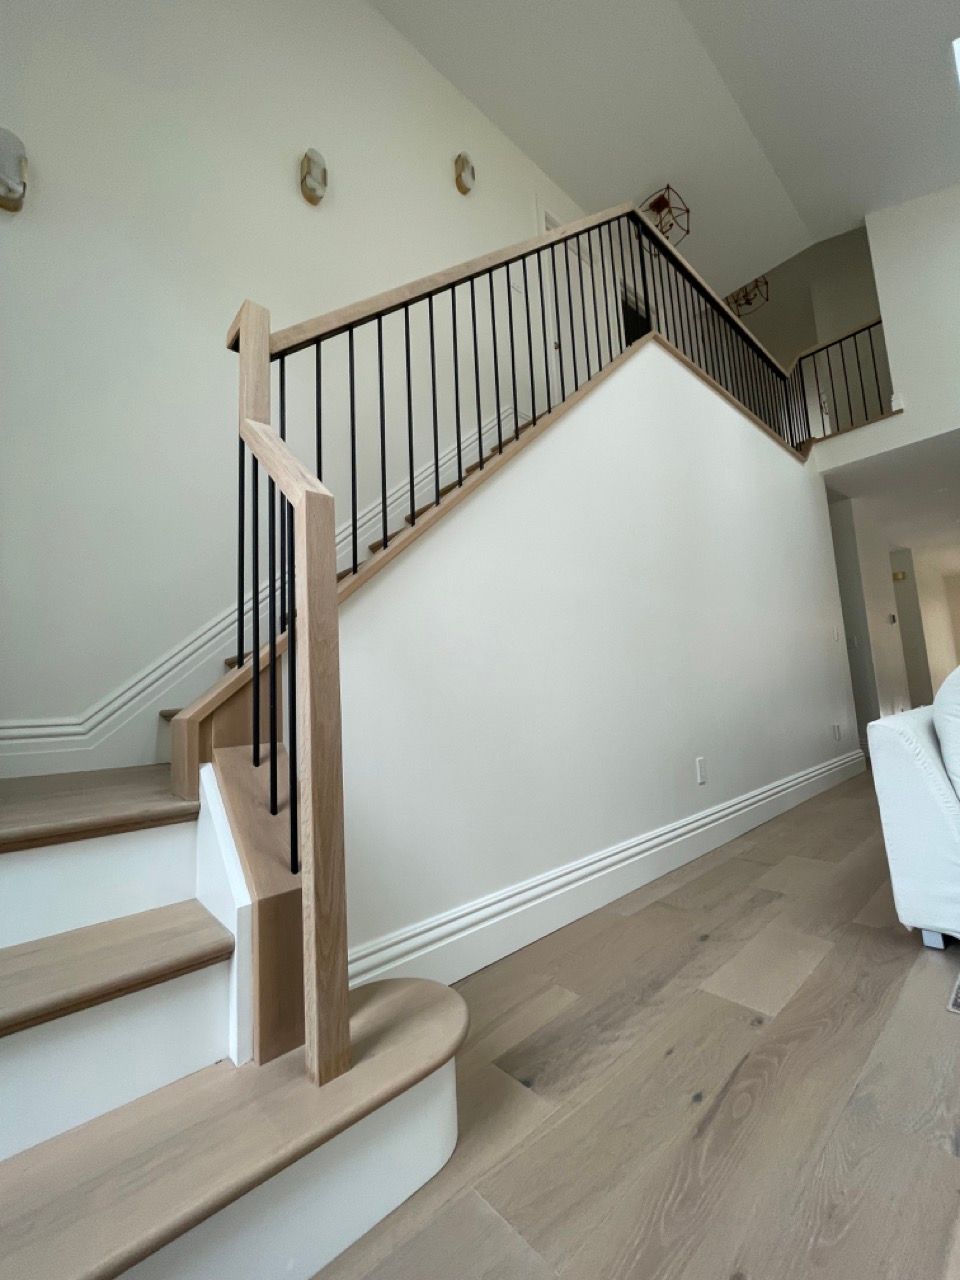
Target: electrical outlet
x,y
701,771
836,732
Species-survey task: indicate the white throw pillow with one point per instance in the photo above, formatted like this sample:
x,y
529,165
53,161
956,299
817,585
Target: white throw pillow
x,y
946,721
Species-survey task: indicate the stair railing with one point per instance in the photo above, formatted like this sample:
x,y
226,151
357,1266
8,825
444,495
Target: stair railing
x,y
397,399
301,598
846,383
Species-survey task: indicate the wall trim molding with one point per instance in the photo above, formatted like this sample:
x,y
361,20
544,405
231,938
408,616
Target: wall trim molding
x,y
451,945
153,685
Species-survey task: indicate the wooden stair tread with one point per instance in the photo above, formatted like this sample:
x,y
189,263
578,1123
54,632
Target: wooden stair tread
x,y
169,712
98,1199
55,807
57,975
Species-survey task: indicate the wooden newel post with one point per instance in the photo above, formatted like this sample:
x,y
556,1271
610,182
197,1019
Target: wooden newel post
x,y
327,1020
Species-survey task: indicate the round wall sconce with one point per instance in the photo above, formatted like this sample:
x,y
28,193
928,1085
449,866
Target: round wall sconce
x,y
313,176
13,171
465,175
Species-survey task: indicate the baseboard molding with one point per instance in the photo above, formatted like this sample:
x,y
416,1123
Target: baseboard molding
x,y
121,727
449,946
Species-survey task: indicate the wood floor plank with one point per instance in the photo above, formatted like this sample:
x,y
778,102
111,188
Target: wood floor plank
x,y
688,1215
467,1240
832,905
793,875
714,886
501,1034
557,1189
496,1115
770,969
880,911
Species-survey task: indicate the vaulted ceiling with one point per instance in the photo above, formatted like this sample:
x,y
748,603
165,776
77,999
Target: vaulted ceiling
x,y
780,122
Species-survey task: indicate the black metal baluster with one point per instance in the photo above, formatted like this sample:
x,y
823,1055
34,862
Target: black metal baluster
x,y
354,541
433,393
255,602
456,383
318,410
476,369
513,355
863,394
283,501
556,310
272,626
526,309
643,274
384,532
846,380
816,374
496,362
294,797
573,328
606,294
876,371
663,308
583,308
835,415
543,330
596,302
622,297
617,308
406,351
241,542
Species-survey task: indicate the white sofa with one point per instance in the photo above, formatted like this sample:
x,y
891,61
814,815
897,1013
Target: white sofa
x,y
916,772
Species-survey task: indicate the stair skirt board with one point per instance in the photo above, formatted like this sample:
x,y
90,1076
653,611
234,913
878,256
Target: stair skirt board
x,y
58,887
450,946
67,1071
302,1218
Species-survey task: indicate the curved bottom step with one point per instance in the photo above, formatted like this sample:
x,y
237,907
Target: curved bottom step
x,y
247,1171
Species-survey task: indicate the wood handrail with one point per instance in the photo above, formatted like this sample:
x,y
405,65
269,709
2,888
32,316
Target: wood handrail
x,y
822,346
297,336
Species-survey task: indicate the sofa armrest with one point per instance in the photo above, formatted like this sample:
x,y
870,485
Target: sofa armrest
x,y
920,814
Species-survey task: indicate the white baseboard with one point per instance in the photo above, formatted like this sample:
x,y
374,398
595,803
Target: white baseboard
x,y
123,727
447,947
301,1219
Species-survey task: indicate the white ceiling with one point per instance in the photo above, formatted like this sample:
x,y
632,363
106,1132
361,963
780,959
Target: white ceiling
x,y
826,109
613,99
856,102
914,493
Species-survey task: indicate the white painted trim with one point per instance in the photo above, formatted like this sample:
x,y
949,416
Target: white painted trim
x,y
222,889
71,1069
53,743
301,1219
447,947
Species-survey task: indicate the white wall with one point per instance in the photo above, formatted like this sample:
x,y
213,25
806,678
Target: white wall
x,y
937,618
529,683
164,142
877,665
911,628
915,248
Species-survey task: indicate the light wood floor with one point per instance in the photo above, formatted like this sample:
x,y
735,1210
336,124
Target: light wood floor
x,y
745,1071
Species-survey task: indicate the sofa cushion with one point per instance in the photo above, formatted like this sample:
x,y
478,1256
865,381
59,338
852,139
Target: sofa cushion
x,y
946,721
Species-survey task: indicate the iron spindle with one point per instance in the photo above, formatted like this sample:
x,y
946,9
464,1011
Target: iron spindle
x,y
272,624
456,383
385,536
406,349
513,355
526,310
255,602
476,369
606,294
354,539
433,394
556,310
293,780
583,309
241,544
283,501
496,362
543,330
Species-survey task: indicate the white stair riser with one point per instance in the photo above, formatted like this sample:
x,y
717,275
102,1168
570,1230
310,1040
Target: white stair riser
x,y
68,886
66,1071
